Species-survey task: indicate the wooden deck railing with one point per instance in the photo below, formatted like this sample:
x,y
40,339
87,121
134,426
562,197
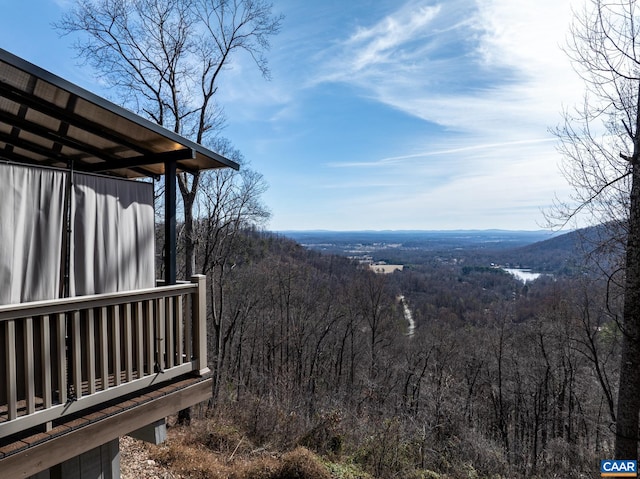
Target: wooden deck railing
x,y
63,356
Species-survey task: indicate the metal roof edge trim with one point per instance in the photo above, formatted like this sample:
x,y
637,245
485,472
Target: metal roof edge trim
x,y
57,81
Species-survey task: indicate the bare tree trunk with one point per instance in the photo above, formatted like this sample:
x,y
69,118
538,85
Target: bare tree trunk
x,y
188,199
217,306
629,387
500,407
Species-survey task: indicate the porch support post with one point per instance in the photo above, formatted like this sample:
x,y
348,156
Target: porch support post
x,y
170,222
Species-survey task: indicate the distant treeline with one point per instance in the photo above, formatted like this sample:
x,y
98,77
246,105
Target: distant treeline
x,y
466,270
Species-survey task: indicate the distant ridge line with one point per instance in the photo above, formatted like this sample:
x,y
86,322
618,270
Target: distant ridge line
x,y
490,230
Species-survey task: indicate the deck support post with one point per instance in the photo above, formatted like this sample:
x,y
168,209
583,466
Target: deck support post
x,y
199,321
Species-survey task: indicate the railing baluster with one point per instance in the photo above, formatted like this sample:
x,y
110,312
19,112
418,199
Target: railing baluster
x,y
128,343
150,341
160,333
61,334
115,345
77,354
140,337
169,322
104,348
188,328
45,362
91,351
29,367
179,330
12,385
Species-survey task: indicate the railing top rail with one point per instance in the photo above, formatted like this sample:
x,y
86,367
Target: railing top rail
x,y
76,303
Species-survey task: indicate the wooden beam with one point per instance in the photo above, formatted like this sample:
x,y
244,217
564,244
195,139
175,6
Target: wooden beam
x,y
144,160
73,442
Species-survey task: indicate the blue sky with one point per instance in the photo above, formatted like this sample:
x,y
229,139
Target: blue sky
x,y
385,114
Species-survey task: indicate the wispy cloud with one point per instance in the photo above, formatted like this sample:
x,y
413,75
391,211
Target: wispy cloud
x,y
506,194
500,67
385,42
64,4
394,160
397,47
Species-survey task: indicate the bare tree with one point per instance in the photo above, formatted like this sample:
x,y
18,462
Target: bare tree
x,y
601,145
164,58
230,205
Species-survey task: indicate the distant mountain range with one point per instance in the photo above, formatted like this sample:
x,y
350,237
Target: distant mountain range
x,y
574,250
427,239
540,250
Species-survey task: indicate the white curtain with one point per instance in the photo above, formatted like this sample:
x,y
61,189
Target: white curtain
x,y
31,229
112,234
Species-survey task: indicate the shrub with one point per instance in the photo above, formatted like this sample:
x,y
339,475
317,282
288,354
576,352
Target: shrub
x,y
223,438
302,464
297,464
325,436
346,471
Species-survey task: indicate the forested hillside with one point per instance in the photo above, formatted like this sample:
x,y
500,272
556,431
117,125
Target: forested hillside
x,y
498,379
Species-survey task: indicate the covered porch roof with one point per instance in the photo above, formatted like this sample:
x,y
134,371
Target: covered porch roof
x,y
48,121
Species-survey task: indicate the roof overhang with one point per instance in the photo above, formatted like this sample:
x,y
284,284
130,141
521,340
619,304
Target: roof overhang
x,y
48,121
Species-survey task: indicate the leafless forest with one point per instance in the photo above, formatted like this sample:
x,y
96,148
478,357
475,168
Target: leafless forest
x,y
499,379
